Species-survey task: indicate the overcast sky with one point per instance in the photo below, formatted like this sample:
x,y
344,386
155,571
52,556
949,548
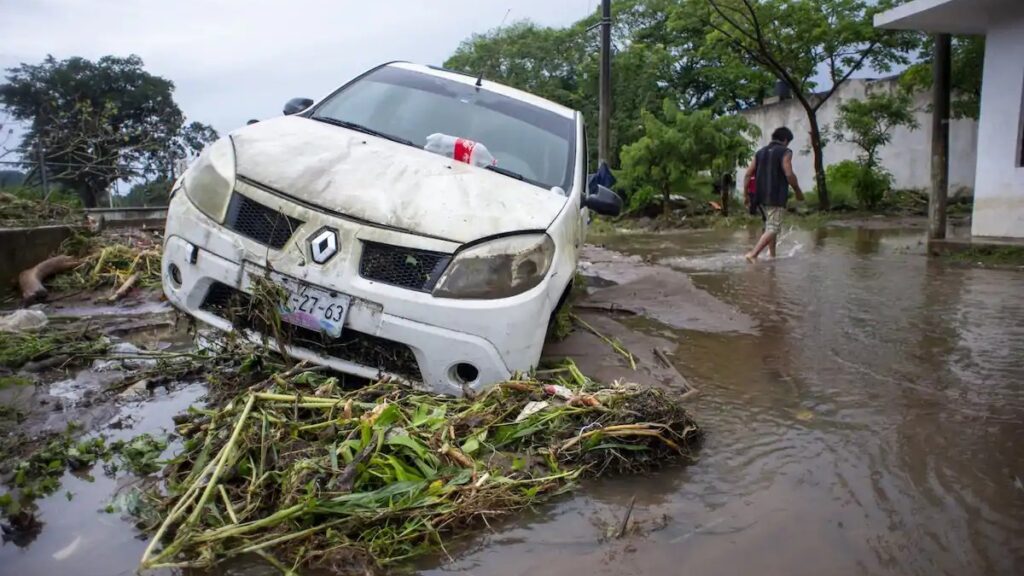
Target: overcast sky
x,y
232,60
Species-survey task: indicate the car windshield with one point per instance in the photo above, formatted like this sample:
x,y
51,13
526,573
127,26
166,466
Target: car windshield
x,y
524,139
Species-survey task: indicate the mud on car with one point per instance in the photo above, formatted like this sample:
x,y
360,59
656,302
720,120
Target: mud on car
x,y
423,223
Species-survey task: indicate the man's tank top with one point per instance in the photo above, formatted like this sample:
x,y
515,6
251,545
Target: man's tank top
x,y
772,186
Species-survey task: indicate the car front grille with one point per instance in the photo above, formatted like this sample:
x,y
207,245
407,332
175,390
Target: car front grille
x,y
404,267
260,223
365,349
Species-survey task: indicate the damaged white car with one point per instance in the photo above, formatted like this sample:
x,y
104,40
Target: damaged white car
x,y
425,225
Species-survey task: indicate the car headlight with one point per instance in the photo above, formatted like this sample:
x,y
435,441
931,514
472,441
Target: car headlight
x,y
498,268
211,178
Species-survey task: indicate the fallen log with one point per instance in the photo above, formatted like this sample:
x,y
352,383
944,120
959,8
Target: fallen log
x,y
31,280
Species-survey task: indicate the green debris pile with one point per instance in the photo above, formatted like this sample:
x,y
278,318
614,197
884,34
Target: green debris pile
x,y
24,211
39,475
306,473
140,455
110,263
63,344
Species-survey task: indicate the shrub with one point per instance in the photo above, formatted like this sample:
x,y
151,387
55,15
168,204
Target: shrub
x,y
871,185
674,151
841,178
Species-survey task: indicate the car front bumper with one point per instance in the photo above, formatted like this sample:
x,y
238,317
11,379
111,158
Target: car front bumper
x,y
496,337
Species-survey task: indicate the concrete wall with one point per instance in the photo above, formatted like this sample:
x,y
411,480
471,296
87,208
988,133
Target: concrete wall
x,y
999,189
133,217
22,248
907,157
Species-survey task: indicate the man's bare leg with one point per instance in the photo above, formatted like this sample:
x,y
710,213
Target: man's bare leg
x,y
768,238
771,247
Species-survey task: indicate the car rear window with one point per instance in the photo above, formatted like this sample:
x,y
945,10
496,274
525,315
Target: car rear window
x,y
527,139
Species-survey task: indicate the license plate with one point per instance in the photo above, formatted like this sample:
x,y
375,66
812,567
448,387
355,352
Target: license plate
x,y
312,307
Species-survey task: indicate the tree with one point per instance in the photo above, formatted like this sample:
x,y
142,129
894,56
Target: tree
x,y
97,122
6,132
672,151
544,61
868,123
731,144
155,193
652,61
798,41
968,59
11,178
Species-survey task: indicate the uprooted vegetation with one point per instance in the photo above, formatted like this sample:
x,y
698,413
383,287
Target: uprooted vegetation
x,y
91,263
25,210
110,261
67,345
287,463
307,473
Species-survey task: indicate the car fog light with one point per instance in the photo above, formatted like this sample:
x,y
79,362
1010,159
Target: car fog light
x,y
465,373
175,275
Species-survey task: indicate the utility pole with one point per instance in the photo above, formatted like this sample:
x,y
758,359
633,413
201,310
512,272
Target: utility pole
x,y
940,137
605,107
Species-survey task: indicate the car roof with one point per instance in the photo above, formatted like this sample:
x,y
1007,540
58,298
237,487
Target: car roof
x,y
487,84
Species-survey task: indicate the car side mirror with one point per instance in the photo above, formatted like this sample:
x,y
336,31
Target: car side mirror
x,y
604,201
296,105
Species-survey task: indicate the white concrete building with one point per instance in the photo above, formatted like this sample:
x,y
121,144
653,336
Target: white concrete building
x,y
999,176
907,157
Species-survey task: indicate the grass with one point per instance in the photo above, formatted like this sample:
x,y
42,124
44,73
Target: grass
x,y
996,256
600,225
313,475
562,324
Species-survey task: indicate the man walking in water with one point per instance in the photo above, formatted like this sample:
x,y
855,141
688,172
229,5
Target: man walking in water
x,y
772,170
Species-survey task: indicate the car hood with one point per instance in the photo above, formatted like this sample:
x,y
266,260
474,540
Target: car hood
x,y
387,183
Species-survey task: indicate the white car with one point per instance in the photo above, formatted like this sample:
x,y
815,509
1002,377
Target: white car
x,y
397,261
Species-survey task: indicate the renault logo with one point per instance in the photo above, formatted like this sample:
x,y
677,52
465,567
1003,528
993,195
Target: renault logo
x,y
324,245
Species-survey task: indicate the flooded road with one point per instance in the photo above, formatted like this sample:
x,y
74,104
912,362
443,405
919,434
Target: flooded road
x,y
873,423
864,408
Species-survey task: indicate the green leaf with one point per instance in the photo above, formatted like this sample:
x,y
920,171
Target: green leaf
x,y
387,417
407,441
471,445
426,415
461,478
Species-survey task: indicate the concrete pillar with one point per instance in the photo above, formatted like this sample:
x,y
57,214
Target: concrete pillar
x,y
940,136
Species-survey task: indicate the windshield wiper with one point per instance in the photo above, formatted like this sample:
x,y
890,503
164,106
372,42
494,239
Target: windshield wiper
x,y
506,172
365,130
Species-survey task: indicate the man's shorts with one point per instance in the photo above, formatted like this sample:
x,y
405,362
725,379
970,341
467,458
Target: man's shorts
x,y
773,218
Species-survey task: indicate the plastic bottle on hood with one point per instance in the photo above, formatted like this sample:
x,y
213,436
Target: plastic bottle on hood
x,y
460,149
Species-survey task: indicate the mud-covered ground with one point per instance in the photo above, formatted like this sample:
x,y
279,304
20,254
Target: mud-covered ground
x,y
862,402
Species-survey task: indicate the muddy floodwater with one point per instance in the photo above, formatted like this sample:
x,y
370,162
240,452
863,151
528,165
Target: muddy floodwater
x,y
864,409
872,423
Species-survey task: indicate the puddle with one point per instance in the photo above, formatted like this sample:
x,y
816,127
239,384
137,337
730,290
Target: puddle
x,y
79,537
